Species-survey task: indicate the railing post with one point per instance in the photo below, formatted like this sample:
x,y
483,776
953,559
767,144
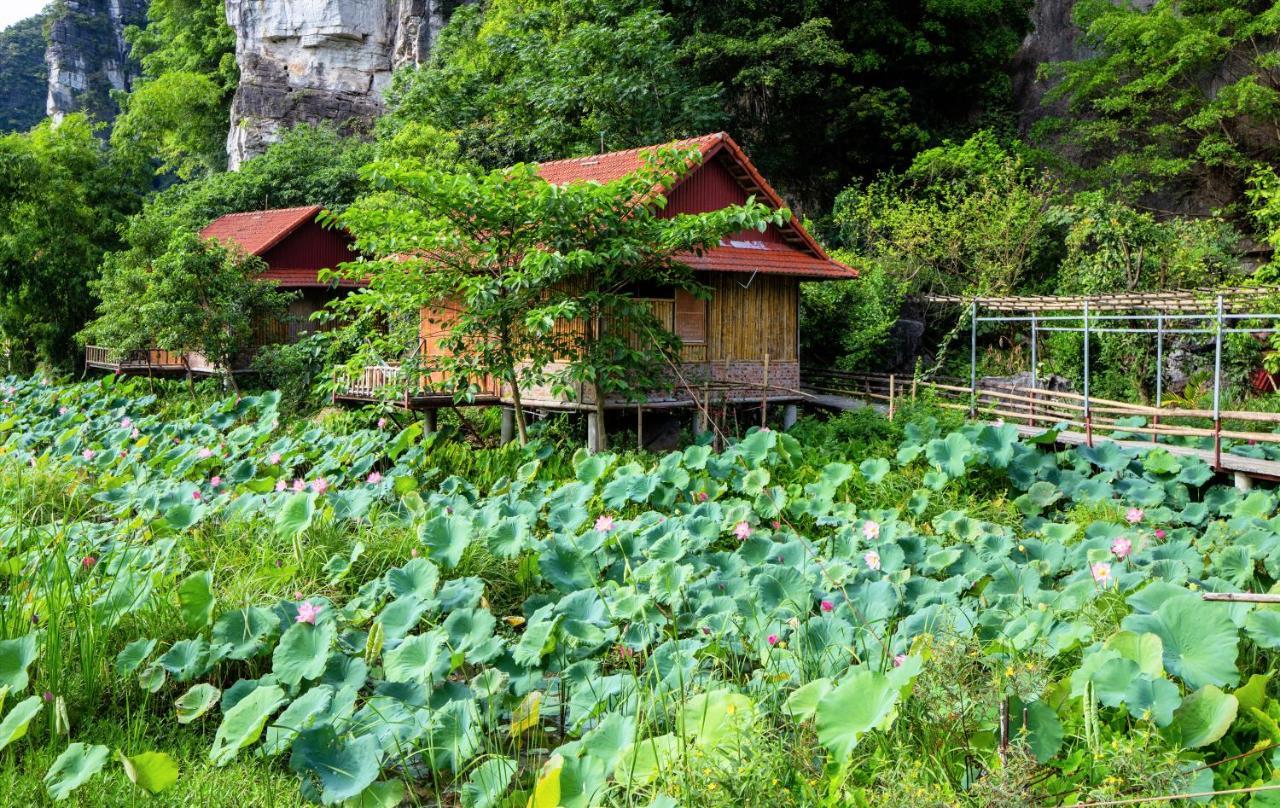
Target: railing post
x,y
1088,414
1155,419
973,359
1217,391
891,386
1035,364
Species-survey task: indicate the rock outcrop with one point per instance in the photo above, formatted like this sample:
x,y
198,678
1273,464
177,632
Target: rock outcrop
x,y
1054,37
321,61
88,57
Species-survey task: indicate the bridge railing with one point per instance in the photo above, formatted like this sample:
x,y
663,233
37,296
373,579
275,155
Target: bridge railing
x,y
1041,407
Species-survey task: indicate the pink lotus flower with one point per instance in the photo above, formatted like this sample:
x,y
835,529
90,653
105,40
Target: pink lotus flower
x,y
871,529
215,481
898,659
873,560
204,453
413,553
62,411
88,561
88,454
1121,547
604,523
48,696
281,484
135,433
827,606
196,496
297,594
382,422
702,496
775,524
1160,534
374,478
1101,573
299,486
772,639
320,485
742,530
307,612
1134,516
127,423
274,459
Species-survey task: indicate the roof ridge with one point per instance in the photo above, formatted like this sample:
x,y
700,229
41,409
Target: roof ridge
x,y
294,209
714,136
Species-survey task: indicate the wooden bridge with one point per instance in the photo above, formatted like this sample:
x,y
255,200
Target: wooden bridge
x,y
1076,422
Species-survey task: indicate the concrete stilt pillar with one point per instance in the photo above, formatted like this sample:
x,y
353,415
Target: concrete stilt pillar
x,y
429,421
593,433
788,416
508,425
1243,481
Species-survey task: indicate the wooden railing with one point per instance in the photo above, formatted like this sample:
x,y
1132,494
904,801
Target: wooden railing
x,y
1052,408
155,358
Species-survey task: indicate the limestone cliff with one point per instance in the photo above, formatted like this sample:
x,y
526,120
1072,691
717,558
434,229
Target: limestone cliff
x,y
320,61
88,57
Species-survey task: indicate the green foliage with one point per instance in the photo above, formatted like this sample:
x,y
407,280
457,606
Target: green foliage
x,y
62,197
821,92
1179,102
846,324
301,370
805,602
178,111
525,81
26,85
968,218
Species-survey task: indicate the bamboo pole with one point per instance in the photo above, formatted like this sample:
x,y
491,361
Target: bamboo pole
x,y
1240,597
891,380
764,394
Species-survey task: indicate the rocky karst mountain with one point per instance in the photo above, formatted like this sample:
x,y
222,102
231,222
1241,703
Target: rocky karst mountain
x,y
87,56
321,60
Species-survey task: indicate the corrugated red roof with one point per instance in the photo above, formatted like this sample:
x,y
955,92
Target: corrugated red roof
x,y
260,230
802,257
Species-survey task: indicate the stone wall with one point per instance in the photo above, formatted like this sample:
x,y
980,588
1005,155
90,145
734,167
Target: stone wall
x,y
314,61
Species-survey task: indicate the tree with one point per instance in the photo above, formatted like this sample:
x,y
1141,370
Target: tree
x,y
1179,104
197,296
820,91
971,218
26,79
179,107
63,196
547,79
514,257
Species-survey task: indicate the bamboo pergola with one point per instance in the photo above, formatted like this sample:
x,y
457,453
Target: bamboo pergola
x,y
1174,312
1173,300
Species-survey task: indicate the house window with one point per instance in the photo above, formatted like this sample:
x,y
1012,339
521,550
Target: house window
x,y
690,318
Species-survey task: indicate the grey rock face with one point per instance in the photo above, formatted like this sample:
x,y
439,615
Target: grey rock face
x,y
88,57
313,61
1054,37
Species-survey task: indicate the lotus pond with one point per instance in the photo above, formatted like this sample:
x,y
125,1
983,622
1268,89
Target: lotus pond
x,y
325,615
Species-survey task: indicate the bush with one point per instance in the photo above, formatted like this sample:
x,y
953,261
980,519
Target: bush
x,y
302,371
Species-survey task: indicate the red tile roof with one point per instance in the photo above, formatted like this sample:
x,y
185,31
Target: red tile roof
x,y
260,230
806,259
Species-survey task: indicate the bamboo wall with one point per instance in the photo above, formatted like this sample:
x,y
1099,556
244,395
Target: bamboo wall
x,y
743,324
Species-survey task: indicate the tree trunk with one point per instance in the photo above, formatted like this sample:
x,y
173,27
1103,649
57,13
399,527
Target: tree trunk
x,y
602,437
521,429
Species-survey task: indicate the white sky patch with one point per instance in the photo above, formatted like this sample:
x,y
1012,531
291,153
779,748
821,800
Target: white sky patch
x,y
13,10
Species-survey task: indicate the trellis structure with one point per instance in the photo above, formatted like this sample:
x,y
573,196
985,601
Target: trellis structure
x,y
1177,312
